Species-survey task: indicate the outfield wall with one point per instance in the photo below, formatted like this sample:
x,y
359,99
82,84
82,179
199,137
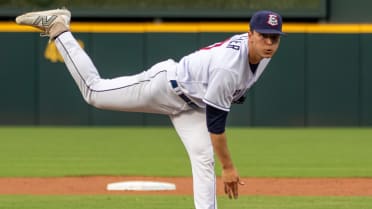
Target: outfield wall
x,y
321,75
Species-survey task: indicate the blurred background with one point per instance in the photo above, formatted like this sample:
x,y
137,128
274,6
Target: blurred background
x,y
317,78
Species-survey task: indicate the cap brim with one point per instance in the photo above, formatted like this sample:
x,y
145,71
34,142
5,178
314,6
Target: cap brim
x,y
270,31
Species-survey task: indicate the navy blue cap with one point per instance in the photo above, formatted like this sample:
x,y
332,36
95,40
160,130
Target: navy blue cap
x,y
266,22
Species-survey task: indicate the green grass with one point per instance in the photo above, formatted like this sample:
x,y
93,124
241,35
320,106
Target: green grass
x,y
91,151
312,152
279,152
262,152
180,202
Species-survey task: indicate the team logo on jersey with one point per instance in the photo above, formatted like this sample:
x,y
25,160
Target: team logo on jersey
x,y
273,20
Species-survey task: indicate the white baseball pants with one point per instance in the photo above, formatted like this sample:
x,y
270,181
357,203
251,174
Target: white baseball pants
x,y
149,92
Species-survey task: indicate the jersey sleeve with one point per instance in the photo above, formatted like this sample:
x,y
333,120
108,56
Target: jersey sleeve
x,y
216,120
219,93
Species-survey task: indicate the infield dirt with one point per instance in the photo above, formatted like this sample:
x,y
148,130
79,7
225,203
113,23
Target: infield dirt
x,y
253,186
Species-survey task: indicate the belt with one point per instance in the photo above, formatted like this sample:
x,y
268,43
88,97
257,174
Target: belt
x,y
179,92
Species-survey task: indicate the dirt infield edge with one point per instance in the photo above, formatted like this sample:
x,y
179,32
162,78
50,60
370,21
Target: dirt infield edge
x,y
253,186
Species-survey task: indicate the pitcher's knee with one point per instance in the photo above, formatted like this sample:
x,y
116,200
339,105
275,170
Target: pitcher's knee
x,y
97,104
203,157
90,99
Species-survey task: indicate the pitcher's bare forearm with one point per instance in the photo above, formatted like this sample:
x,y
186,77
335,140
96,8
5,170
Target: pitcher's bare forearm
x,y
230,176
219,142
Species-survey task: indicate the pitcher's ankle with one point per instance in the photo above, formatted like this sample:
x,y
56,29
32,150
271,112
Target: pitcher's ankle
x,y
57,29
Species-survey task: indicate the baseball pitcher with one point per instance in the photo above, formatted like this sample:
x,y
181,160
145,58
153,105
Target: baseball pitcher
x,y
196,92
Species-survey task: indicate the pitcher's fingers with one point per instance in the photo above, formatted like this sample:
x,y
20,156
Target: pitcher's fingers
x,y
235,190
225,188
228,190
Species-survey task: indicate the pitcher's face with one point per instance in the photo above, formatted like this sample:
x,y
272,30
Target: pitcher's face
x,y
262,45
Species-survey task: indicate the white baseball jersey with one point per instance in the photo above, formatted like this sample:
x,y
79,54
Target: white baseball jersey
x,y
219,74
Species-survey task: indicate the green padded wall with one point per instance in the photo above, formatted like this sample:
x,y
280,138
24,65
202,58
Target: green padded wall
x,y
366,80
279,96
332,79
19,82
314,80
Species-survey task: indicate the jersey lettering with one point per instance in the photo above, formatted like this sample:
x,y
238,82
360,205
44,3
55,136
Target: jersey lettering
x,y
236,43
215,45
232,46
